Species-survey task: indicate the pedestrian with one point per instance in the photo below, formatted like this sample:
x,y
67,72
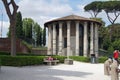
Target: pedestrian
x,y
107,67
114,70
116,55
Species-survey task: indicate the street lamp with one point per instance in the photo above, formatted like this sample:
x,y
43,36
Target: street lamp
x,y
1,22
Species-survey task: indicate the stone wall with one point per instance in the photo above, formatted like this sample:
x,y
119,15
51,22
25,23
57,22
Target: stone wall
x,y
39,52
5,45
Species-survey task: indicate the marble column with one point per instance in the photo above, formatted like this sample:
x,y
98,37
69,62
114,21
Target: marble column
x,y
96,40
54,39
49,51
91,39
68,39
77,38
85,52
60,38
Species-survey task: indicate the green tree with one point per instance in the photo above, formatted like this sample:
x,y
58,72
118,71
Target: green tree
x,y
11,12
94,8
106,43
27,29
115,31
19,28
111,7
110,50
44,36
116,45
32,32
38,33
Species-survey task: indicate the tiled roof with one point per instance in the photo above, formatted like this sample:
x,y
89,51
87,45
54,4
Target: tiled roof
x,y
71,17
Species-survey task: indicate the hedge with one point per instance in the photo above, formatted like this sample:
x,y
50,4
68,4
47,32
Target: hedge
x,y
102,59
0,61
21,60
80,58
87,59
60,58
7,60
4,53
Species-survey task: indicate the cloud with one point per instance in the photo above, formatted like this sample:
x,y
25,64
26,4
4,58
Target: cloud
x,y
44,10
44,7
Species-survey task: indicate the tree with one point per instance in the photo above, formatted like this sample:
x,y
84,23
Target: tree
x,y
27,29
12,17
38,31
32,32
115,31
112,7
19,25
115,44
94,8
44,36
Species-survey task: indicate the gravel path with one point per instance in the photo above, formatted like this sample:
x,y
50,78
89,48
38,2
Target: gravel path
x,y
78,71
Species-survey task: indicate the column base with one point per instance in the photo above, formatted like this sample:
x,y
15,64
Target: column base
x,y
68,61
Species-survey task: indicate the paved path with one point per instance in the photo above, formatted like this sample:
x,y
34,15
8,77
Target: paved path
x,y
78,71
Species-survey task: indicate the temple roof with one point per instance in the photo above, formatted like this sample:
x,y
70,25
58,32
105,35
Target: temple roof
x,y
72,18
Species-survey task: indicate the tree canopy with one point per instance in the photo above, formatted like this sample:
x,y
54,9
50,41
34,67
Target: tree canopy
x,y
110,7
94,8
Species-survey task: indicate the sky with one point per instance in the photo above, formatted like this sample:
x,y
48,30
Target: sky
x,y
42,11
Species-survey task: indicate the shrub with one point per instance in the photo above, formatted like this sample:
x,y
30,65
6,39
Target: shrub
x,y
4,53
60,58
80,58
21,60
0,62
102,59
8,60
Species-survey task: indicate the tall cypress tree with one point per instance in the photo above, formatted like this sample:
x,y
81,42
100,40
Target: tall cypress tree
x,y
19,26
38,31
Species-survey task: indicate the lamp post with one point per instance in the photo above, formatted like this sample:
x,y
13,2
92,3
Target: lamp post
x,y
1,22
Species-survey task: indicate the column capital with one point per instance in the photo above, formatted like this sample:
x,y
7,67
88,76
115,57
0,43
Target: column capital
x,y
96,25
68,22
91,24
77,21
54,23
60,23
85,22
49,25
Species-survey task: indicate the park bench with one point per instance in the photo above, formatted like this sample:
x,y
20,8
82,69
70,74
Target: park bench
x,y
51,62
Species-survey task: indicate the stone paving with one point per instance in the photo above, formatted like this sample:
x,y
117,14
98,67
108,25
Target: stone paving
x,y
77,71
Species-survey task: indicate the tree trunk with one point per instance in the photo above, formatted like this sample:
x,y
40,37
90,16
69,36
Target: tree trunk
x,y
11,12
13,39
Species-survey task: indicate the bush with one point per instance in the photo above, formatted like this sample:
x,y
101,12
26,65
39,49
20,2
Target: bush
x,y
60,58
0,62
4,53
80,58
102,59
21,60
7,60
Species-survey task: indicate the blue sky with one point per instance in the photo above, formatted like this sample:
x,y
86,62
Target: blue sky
x,y
45,10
